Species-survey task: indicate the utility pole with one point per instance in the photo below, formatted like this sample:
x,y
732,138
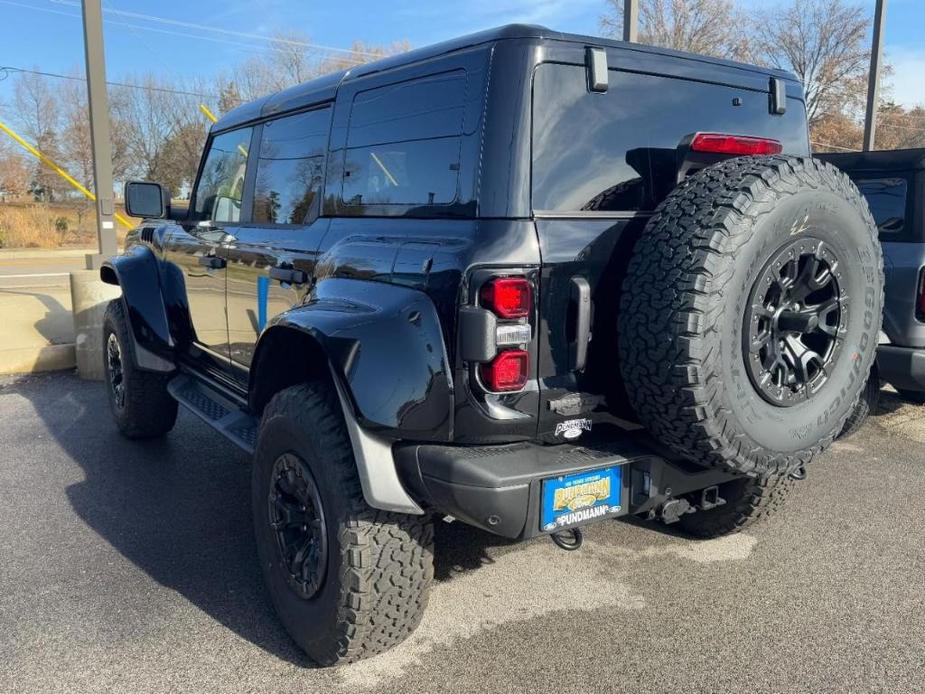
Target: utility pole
x,y
99,132
631,20
873,80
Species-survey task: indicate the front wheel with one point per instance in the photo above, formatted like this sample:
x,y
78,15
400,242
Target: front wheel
x,y
139,400
347,580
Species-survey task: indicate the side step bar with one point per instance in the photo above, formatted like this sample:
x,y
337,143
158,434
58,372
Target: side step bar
x,y
217,410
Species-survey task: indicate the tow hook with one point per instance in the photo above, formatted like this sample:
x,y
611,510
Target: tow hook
x,y
569,540
799,474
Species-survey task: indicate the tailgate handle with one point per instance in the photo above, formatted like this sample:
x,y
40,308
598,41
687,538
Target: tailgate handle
x,y
580,299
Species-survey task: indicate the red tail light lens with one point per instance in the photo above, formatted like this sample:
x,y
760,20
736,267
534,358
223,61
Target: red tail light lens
x,y
508,297
507,371
742,145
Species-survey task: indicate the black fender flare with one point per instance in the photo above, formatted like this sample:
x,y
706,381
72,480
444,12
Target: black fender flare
x,y
385,346
136,273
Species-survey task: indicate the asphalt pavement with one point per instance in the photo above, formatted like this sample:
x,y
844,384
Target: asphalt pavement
x,y
130,567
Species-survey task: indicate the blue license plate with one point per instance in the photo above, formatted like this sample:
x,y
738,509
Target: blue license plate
x,y
583,496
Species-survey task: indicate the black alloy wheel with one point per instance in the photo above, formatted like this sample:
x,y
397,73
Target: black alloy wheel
x,y
296,516
794,322
115,371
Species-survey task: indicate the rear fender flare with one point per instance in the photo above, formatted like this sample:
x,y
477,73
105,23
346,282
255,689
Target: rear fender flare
x,y
386,350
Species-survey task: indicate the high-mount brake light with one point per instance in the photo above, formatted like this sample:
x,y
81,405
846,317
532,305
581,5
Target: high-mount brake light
x,y
508,297
741,145
507,371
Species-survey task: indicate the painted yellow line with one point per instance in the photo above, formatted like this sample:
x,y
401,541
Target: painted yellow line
x,y
50,163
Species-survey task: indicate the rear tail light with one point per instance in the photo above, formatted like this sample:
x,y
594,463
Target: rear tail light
x,y
741,145
508,297
507,371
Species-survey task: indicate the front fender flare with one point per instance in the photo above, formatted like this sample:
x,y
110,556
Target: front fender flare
x,y
385,345
136,272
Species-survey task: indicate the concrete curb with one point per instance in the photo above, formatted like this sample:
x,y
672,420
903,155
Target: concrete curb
x,y
38,254
35,359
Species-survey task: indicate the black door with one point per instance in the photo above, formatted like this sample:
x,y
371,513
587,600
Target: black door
x,y
195,247
271,258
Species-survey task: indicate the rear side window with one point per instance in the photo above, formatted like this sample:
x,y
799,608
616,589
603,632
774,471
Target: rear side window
x,y
616,151
403,143
887,200
290,168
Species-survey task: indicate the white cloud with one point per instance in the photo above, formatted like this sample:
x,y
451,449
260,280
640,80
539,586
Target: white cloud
x,y
907,84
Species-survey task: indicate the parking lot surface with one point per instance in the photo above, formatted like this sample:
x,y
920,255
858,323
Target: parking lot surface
x,y
131,567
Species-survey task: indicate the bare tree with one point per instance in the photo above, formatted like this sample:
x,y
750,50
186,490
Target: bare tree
x,y
15,172
707,27
825,43
38,115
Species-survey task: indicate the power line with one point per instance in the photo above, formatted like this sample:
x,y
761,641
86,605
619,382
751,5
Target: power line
x,y
220,30
6,69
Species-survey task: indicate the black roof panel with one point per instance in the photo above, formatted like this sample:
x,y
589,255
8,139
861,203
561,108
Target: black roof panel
x,y
878,159
325,87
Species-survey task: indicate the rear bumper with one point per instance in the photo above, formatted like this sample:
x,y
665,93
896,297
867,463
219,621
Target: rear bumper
x,y
498,488
902,367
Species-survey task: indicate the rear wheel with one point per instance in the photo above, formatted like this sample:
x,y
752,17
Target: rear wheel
x,y
866,405
748,500
348,581
749,317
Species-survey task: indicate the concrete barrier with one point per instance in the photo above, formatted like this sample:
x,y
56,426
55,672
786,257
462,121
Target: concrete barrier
x,y
89,297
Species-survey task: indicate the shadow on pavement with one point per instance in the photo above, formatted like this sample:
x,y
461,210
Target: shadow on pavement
x,y
179,508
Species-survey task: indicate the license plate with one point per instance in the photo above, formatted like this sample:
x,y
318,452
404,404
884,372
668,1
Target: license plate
x,y
583,496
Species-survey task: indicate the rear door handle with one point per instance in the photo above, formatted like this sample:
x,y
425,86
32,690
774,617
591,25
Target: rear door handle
x,y
213,262
288,275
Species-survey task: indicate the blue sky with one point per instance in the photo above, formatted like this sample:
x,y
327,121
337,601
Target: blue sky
x,y
46,34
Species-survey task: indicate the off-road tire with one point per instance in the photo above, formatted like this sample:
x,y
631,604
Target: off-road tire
x,y
147,410
685,297
379,564
748,500
866,405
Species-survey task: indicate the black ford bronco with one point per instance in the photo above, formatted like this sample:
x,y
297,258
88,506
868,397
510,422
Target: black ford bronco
x,y
524,280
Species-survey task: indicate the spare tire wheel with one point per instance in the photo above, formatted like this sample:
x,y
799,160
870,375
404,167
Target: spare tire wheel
x,y
749,316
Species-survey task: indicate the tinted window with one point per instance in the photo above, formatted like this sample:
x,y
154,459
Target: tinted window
x,y
221,185
403,144
887,200
290,168
616,151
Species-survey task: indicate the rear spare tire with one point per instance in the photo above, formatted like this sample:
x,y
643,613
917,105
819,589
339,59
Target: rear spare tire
x,y
750,310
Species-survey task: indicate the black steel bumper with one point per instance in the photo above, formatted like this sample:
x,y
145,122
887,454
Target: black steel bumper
x,y
902,367
497,488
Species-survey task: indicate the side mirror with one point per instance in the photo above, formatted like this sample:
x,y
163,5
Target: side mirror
x,y
146,200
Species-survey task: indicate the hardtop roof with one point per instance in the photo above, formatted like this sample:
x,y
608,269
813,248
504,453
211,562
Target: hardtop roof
x,y
324,88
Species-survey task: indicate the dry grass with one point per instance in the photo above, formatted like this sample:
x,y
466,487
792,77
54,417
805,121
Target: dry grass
x,y
48,225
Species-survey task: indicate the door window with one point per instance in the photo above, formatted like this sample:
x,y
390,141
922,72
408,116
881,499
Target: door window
x,y
290,168
221,184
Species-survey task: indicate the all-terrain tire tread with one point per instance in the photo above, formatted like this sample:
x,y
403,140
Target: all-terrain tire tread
x,y
673,297
759,498
388,557
150,411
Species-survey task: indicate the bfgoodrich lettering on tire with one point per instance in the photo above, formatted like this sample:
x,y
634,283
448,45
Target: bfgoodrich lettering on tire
x,y
749,317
